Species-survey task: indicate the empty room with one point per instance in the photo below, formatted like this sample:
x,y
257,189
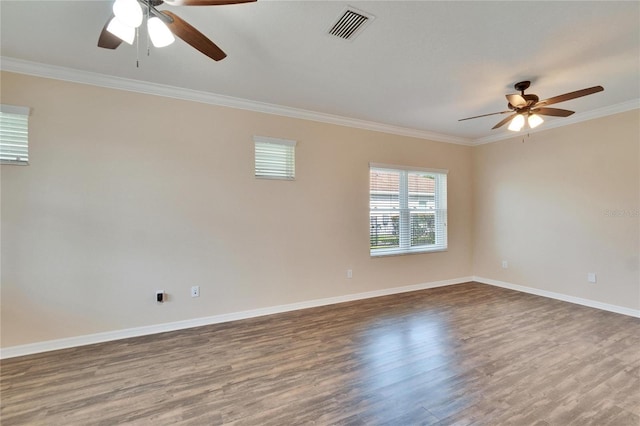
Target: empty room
x,y
233,212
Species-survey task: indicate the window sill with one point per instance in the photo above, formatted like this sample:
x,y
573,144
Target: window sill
x,y
386,253
13,163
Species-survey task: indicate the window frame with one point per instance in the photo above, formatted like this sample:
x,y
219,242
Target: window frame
x,y
21,114
284,171
404,212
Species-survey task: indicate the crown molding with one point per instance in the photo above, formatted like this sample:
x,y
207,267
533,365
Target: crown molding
x,y
95,79
575,118
102,80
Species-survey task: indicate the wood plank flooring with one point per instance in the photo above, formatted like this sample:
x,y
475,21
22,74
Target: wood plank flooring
x,y
468,354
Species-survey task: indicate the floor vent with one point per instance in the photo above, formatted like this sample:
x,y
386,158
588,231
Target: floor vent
x,y
350,23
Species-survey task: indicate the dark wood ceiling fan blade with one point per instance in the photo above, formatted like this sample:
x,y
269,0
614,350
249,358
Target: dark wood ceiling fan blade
x,y
195,38
108,40
485,115
516,100
571,95
205,2
503,122
555,112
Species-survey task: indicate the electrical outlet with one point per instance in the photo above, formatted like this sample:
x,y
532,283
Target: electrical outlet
x,y
505,264
195,291
591,277
349,273
160,296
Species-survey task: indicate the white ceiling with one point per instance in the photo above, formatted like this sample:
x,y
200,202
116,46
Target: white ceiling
x,y
419,65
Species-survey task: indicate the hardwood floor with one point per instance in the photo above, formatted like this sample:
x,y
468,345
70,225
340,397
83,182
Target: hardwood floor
x,y
468,354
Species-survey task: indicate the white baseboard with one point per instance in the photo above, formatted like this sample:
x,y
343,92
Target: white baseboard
x,y
52,345
559,296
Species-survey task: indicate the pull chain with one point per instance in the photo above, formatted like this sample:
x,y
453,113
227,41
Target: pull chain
x,y
148,12
137,48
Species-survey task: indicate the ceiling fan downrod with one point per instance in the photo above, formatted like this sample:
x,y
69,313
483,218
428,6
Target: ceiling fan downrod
x,y
521,86
151,7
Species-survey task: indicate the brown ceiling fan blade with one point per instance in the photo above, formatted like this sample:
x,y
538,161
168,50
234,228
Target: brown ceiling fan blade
x,y
555,112
503,122
516,100
571,95
108,40
485,115
192,36
205,2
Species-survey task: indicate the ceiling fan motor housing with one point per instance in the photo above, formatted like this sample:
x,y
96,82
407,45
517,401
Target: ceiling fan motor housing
x,y
531,100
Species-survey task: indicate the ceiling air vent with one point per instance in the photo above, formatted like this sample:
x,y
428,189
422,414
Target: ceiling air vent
x,y
350,23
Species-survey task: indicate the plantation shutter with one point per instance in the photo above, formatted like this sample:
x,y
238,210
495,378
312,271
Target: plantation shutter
x,y
14,134
274,158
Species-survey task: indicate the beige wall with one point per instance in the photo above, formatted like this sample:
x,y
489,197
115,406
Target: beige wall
x,y
561,204
129,193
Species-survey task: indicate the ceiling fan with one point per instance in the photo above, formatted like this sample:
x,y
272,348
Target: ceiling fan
x,y
530,106
162,25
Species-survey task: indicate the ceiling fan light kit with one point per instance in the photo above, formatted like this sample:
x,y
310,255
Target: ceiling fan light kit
x,y
128,12
529,105
122,31
159,33
162,26
129,16
534,121
517,123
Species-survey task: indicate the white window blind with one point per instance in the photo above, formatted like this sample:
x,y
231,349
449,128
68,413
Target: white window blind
x,y
275,158
14,134
407,210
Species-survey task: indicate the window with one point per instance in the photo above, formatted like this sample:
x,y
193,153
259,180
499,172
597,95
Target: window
x,y
407,210
275,158
14,134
